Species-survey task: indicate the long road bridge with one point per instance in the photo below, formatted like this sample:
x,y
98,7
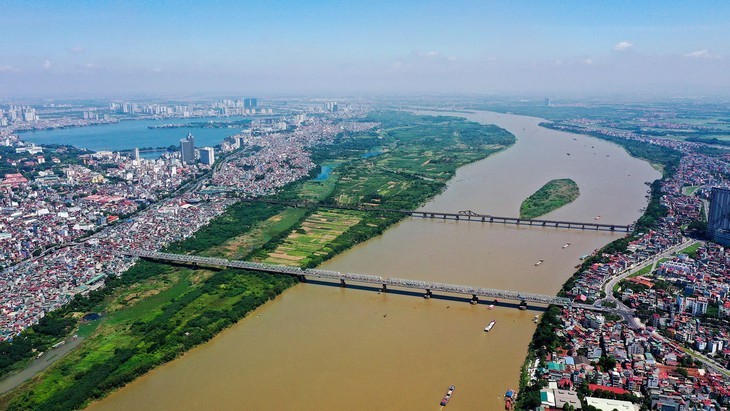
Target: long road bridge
x,y
428,286
465,215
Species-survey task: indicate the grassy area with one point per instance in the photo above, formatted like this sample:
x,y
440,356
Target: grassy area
x,y
643,271
550,197
689,190
260,234
312,237
691,250
155,312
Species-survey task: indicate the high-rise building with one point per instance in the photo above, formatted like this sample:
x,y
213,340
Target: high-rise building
x,y
330,106
207,155
136,154
547,101
718,221
187,149
250,103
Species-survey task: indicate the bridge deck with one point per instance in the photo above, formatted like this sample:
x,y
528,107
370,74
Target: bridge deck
x,y
360,278
465,215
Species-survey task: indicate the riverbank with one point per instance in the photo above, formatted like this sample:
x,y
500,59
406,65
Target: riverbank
x,y
404,349
547,338
161,311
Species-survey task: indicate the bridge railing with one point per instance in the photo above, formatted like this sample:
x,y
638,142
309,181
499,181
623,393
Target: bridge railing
x,y
364,278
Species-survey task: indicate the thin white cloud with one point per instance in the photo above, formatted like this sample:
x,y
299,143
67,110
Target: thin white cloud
x,y
76,49
157,70
47,64
701,54
91,66
428,54
397,64
623,45
7,69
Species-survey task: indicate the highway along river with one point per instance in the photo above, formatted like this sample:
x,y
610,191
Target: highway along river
x,y
326,348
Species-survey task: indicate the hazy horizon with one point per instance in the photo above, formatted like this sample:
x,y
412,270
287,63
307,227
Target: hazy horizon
x,y
274,48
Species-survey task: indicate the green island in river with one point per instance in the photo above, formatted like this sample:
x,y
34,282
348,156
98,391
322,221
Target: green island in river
x,y
550,197
155,312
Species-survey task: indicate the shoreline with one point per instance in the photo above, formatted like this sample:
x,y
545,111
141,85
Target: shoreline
x,y
531,357
486,154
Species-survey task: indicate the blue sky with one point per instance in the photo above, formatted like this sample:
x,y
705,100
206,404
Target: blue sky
x,y
575,47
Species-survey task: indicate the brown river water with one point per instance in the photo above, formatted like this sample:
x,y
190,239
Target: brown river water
x,y
319,347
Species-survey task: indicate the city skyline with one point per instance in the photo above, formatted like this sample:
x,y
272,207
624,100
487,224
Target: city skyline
x,y
81,48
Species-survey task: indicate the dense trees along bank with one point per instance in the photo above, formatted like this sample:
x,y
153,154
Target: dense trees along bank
x,y
155,312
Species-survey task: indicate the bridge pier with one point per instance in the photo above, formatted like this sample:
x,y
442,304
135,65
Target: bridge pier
x,y
474,299
384,289
613,228
482,219
428,294
523,305
342,282
302,278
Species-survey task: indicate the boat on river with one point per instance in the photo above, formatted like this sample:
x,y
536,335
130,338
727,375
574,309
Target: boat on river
x,y
447,397
509,399
490,306
490,325
539,262
567,245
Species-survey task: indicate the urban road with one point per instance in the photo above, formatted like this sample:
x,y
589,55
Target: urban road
x,y
382,282
465,215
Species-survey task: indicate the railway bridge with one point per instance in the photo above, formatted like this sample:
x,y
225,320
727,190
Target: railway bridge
x,y
429,287
464,215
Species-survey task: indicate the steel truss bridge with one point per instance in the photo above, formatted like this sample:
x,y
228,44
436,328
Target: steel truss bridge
x,y
464,215
343,278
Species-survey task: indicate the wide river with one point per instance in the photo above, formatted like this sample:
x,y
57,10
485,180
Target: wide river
x,y
326,348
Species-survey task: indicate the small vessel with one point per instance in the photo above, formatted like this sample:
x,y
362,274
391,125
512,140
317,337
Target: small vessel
x,y
535,319
566,245
509,398
567,153
539,262
447,397
583,257
598,217
490,306
490,325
